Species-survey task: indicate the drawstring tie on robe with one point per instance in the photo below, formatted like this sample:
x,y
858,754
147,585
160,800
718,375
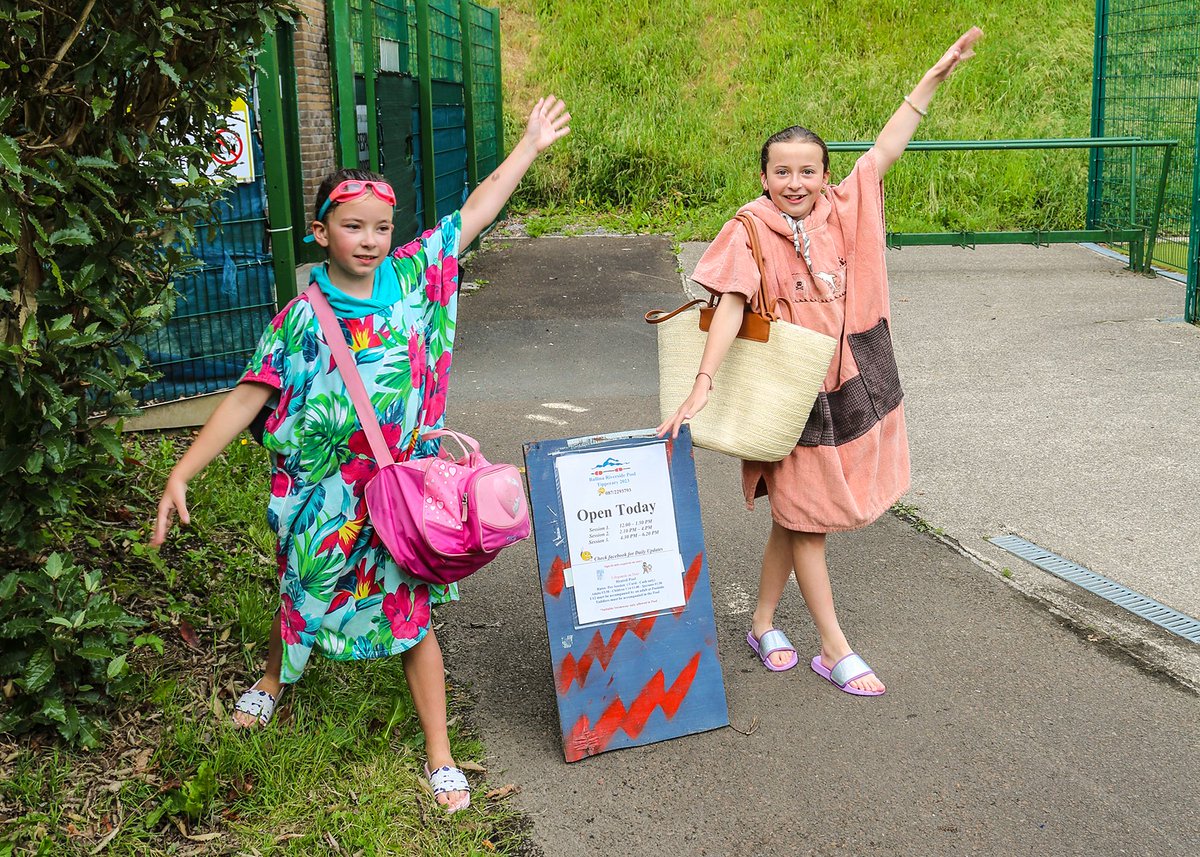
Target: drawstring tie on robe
x,y
803,247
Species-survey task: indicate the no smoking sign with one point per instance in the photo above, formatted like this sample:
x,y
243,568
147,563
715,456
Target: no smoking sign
x,y
230,150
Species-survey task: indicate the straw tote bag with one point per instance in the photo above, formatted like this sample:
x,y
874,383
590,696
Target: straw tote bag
x,y
765,387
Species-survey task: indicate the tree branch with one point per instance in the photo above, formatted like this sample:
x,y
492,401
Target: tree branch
x,y
66,46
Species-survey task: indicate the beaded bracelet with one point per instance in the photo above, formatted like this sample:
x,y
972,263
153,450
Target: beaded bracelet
x,y
909,102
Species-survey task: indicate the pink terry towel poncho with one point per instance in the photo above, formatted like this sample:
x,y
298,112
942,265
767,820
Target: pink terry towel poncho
x,y
851,463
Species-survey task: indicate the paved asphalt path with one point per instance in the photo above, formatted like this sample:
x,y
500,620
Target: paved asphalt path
x,y
1003,732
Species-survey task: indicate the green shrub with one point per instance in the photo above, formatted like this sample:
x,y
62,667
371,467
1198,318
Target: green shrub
x,y
103,107
63,649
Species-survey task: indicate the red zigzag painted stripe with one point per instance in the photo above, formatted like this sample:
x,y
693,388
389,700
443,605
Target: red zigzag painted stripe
x,y
583,740
570,670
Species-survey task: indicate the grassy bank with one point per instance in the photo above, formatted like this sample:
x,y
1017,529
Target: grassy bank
x,y
671,101
339,770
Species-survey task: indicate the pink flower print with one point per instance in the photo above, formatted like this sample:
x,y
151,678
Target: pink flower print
x,y
392,434
268,374
291,621
356,473
407,611
436,382
410,249
416,356
441,279
281,411
281,483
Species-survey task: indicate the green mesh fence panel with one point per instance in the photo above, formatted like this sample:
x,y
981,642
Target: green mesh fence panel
x,y
358,51
410,9
391,29
486,89
1147,85
445,37
223,304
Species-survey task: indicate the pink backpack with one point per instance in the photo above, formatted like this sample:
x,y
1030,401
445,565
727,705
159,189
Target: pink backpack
x,y
441,518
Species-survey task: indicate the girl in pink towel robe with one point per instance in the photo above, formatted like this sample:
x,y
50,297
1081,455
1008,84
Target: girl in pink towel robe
x,y
823,248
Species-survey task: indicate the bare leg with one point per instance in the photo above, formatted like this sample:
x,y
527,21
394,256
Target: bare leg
x,y
776,569
270,681
812,573
426,676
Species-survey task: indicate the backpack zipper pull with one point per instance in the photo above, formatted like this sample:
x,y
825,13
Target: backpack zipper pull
x,y
464,509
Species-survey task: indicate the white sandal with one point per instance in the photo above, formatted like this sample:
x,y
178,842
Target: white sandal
x,y
449,779
258,704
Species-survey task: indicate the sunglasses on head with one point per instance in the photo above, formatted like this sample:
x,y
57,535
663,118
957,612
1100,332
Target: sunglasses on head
x,y
352,189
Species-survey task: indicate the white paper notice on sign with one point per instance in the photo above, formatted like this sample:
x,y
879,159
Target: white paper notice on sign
x,y
617,504
608,591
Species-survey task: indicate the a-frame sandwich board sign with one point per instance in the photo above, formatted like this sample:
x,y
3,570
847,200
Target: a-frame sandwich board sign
x,y
625,586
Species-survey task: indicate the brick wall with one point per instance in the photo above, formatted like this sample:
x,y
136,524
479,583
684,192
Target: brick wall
x,y
317,144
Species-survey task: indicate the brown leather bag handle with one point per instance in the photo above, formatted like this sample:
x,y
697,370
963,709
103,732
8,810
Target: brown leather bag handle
x,y
756,323
756,251
658,316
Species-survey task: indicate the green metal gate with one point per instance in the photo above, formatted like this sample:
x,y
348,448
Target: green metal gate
x,y
1147,84
424,107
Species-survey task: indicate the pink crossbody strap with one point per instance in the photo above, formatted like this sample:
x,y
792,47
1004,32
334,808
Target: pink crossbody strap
x,y
349,369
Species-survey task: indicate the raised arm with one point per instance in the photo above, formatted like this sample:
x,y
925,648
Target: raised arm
x,y
547,123
899,130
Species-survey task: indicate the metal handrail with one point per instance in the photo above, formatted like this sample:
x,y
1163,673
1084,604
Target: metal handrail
x,y
1149,233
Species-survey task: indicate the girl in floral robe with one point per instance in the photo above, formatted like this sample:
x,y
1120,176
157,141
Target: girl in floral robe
x,y
341,592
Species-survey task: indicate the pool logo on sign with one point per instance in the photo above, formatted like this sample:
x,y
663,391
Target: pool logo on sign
x,y
611,476
609,465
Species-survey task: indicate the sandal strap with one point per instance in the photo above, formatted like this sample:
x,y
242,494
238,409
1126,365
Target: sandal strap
x,y
774,641
848,669
448,779
257,703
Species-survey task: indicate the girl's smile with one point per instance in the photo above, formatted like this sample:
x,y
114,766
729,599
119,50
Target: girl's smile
x,y
794,177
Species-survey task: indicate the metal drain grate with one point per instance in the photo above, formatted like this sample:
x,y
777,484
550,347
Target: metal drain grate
x,y
1160,614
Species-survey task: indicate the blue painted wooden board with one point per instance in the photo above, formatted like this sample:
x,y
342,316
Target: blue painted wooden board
x,y
645,678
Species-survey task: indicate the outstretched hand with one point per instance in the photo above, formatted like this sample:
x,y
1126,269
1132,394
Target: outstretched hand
x,y
548,121
174,499
691,406
961,51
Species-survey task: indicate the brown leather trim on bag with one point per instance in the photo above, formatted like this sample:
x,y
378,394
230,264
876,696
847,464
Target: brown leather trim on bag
x,y
754,327
756,322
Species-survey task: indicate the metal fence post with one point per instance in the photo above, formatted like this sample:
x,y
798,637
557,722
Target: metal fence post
x,y
370,71
275,167
286,45
341,64
1191,303
1096,161
468,60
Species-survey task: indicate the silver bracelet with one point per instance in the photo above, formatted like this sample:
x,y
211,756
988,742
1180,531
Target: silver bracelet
x,y
909,102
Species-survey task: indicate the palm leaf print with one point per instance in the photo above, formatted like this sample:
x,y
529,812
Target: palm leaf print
x,y
307,507
308,345
317,573
326,436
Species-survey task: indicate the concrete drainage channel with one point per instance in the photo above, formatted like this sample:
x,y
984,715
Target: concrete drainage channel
x,y
1172,620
